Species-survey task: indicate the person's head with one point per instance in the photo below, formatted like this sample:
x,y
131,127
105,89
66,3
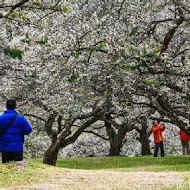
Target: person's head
x,y
155,123
11,104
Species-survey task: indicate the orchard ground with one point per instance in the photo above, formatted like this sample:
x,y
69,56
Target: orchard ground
x,y
99,173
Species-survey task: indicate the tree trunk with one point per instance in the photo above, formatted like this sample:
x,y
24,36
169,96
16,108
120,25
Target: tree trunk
x,y
50,155
114,144
115,148
115,139
64,139
145,147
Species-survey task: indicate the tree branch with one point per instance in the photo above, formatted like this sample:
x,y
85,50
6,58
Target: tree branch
x,y
35,116
48,127
96,134
13,7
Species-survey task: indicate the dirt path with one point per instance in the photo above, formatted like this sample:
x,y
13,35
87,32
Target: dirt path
x,y
105,179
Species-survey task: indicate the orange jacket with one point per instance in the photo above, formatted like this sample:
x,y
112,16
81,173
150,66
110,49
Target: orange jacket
x,y
157,132
183,136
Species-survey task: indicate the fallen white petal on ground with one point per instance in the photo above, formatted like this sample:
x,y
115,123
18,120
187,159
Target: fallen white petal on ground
x,y
106,179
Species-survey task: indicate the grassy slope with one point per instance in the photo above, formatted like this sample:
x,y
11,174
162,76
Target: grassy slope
x,y
36,172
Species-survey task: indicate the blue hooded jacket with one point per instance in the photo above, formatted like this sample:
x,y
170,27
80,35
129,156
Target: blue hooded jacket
x,y
13,139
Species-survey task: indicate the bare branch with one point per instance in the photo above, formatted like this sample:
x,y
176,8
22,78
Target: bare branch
x,y
96,134
35,116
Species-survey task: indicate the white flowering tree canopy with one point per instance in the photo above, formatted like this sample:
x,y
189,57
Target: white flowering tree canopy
x,y
69,58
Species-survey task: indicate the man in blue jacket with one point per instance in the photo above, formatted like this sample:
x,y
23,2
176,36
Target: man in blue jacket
x,y
12,141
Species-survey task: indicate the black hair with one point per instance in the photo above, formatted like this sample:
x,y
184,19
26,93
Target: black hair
x,y
11,104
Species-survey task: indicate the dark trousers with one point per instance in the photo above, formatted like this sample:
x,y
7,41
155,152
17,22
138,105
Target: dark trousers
x,y
185,146
11,156
156,148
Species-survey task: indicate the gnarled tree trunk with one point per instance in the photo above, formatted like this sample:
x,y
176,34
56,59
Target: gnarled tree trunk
x,y
116,139
143,139
145,147
63,136
115,148
51,154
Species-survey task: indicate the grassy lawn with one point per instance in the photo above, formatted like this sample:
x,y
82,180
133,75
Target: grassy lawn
x,y
141,163
10,176
36,172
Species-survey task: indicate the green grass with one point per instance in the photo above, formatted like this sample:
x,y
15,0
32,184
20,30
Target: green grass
x,y
36,172
10,176
141,163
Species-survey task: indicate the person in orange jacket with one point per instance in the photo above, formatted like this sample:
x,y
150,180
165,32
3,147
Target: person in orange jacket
x,y
158,137
184,141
